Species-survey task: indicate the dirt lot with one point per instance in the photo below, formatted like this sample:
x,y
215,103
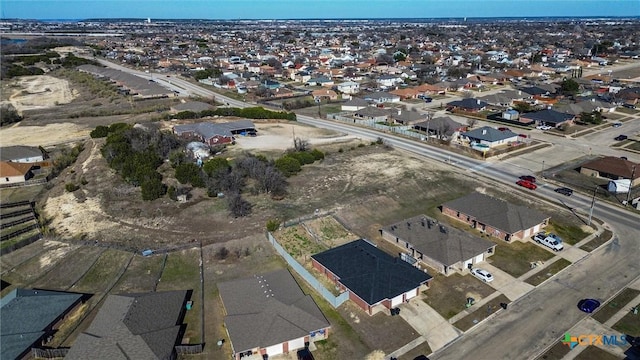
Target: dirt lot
x,y
39,92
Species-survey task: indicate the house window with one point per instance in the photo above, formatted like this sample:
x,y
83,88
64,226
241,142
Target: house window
x,y
458,214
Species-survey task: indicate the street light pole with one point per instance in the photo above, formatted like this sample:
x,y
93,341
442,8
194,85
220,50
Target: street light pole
x,y
633,174
593,204
543,169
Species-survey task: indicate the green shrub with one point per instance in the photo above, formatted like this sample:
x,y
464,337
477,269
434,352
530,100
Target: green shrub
x,y
273,225
317,154
71,187
99,132
288,165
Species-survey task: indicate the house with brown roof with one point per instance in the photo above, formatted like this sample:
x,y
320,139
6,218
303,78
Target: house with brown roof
x,y
268,314
441,247
324,95
614,168
496,217
15,173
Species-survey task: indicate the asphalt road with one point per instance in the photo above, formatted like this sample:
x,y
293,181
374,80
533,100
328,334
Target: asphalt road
x,y
539,319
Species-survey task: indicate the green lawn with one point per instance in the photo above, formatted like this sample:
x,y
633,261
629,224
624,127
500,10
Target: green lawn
x,y
516,257
549,271
570,234
597,241
616,304
104,272
629,324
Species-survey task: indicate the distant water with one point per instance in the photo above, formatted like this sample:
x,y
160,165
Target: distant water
x,y
5,41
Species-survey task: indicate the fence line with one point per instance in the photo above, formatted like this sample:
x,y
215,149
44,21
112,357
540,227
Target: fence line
x,y
335,301
49,353
20,244
14,204
17,222
189,349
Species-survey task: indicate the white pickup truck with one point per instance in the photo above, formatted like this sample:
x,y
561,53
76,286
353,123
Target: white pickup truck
x,y
549,240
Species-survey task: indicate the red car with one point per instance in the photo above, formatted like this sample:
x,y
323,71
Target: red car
x,y
527,184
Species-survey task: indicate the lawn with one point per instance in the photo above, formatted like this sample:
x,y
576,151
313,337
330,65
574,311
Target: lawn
x,y
104,273
616,304
634,146
141,275
597,241
556,352
570,234
30,270
448,294
481,313
66,273
629,324
422,349
549,271
595,353
182,272
516,257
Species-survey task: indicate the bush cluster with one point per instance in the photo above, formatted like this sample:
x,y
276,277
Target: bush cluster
x,y
249,113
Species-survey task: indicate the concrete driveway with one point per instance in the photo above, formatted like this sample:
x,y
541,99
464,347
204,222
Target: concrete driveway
x,y
428,323
511,287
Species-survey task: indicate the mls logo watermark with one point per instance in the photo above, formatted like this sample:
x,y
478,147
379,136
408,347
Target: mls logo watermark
x,y
592,339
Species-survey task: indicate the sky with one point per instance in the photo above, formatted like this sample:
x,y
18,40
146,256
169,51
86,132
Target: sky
x,y
311,9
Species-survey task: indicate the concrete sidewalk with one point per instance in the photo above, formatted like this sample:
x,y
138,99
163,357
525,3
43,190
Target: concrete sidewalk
x,y
428,323
511,287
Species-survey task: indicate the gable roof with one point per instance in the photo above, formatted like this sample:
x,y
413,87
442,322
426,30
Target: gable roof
x,y
268,309
468,103
445,244
548,116
614,166
128,327
14,169
356,102
369,272
487,133
17,152
498,213
26,313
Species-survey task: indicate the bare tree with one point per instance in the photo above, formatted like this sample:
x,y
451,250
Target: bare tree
x,y
471,122
467,94
300,144
238,206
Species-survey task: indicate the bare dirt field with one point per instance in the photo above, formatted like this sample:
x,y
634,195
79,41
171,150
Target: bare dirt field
x,y
39,92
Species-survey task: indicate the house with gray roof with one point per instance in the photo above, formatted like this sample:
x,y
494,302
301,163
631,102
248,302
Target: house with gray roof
x,y
134,326
268,314
214,133
21,154
496,217
354,104
469,105
548,117
374,279
441,126
372,113
28,317
405,117
381,97
489,136
446,249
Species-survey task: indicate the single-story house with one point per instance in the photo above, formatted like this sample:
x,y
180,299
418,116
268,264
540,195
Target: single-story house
x,y
548,117
439,246
469,105
134,326
348,87
614,168
354,104
405,117
387,80
320,81
382,97
268,314
372,113
489,136
21,154
440,126
324,95
374,279
15,172
496,217
30,316
214,133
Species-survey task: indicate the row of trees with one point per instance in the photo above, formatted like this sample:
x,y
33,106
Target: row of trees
x,y
9,115
249,113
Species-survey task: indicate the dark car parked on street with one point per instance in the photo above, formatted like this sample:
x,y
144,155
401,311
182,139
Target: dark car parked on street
x,y
564,191
620,137
528,178
588,305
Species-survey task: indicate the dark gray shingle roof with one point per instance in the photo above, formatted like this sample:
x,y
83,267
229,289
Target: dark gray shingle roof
x,y
490,134
208,130
9,153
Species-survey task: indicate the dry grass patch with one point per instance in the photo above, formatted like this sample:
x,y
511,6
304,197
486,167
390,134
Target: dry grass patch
x,y
610,308
481,313
515,257
448,294
549,271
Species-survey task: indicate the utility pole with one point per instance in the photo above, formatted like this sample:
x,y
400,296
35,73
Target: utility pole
x,y
542,169
593,203
633,174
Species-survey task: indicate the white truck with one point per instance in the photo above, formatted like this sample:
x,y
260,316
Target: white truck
x,y
551,241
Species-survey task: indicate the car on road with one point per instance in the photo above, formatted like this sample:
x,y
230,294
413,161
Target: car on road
x,y
503,129
543,127
588,305
616,124
564,191
481,274
523,135
552,241
528,178
629,106
620,137
527,184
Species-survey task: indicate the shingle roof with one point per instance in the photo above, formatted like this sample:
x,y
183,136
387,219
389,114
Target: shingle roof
x,y
497,213
25,313
614,166
268,309
14,168
128,326
490,134
356,102
468,103
369,272
548,116
443,243
208,130
8,153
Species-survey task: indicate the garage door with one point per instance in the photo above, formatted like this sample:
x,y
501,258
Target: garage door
x,y
396,301
275,350
479,258
296,344
527,233
412,293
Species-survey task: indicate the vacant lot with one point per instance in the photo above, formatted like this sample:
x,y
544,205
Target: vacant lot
x,y
448,294
556,352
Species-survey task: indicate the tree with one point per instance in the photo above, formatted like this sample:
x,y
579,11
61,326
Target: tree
x,y
300,144
471,122
288,165
189,173
9,115
153,189
214,165
238,206
569,87
522,107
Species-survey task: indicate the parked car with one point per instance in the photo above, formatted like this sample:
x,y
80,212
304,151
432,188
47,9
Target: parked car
x,y
551,241
588,305
629,106
543,127
616,124
621,137
428,99
528,178
503,129
527,184
523,135
564,191
483,275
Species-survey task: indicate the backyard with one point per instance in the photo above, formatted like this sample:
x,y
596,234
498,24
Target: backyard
x,y
448,294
